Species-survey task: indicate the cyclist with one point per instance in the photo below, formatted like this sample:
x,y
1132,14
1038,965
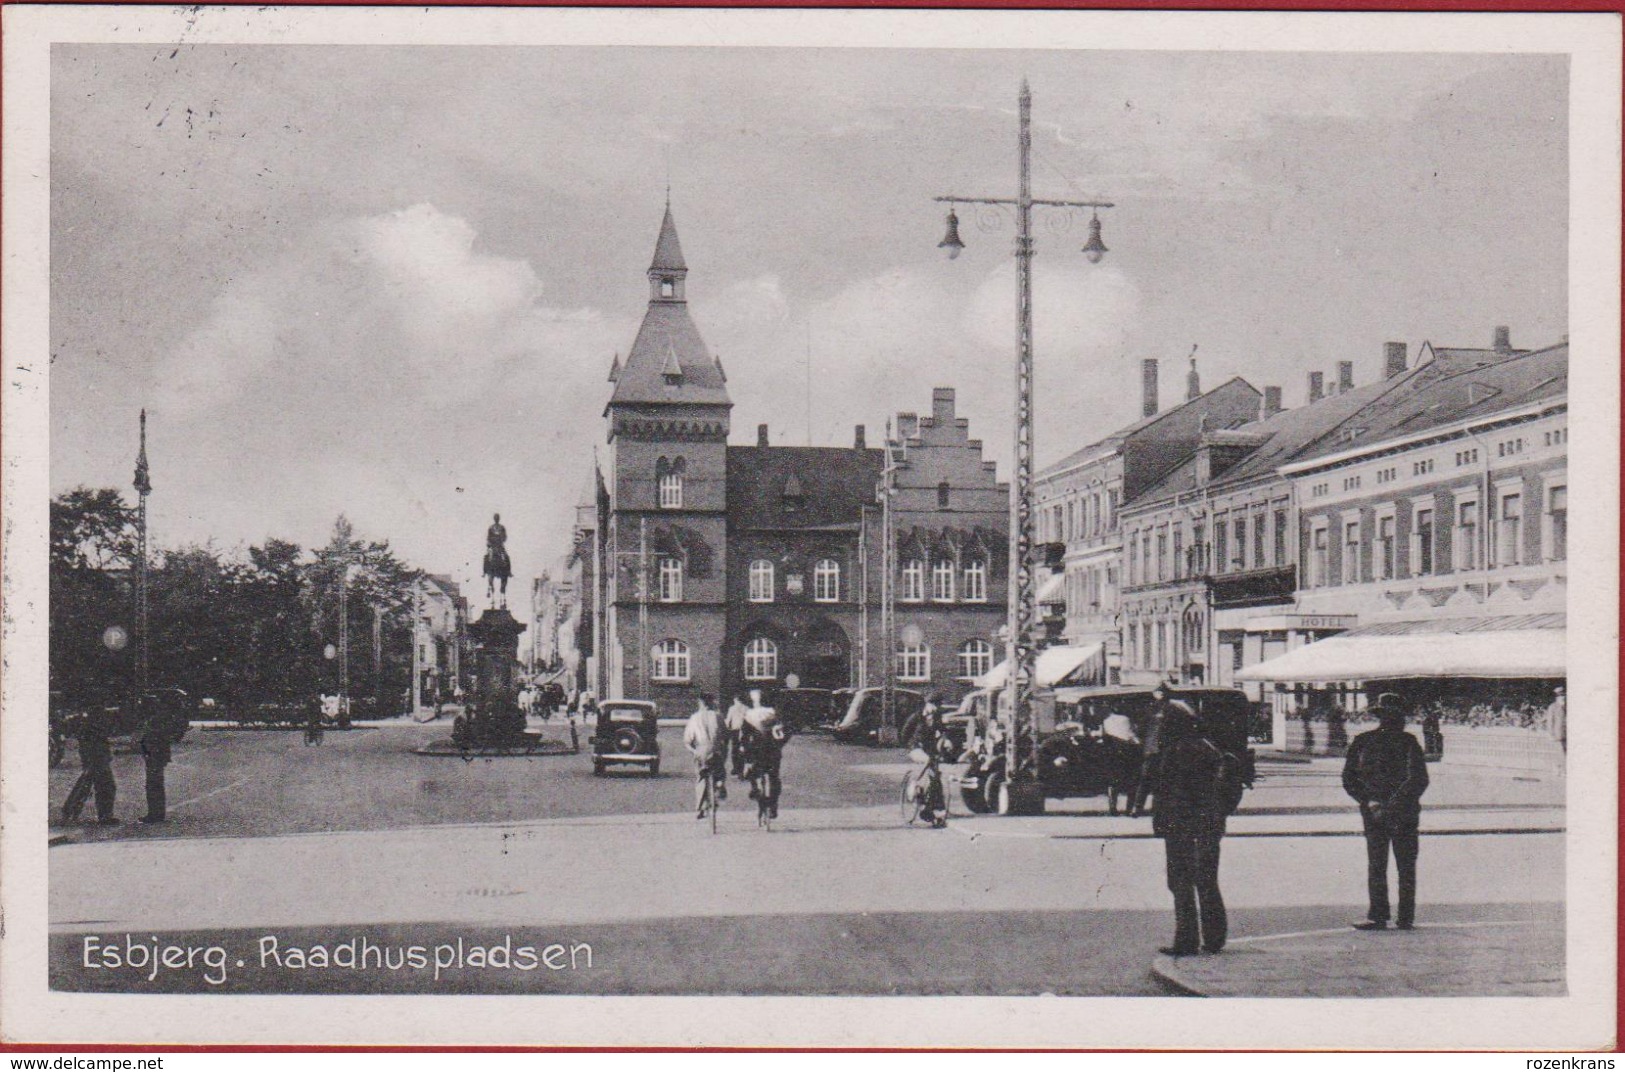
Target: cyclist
x,y
707,740
762,743
927,745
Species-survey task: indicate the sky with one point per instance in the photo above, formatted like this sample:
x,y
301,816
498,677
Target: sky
x,y
388,282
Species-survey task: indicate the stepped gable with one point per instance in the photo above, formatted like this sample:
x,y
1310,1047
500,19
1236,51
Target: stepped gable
x,y
801,487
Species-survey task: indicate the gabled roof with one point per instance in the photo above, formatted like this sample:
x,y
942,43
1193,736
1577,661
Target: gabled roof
x,y
1110,442
834,485
668,251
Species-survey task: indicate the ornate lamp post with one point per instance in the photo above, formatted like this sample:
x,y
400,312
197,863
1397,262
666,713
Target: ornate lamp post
x,y
1023,794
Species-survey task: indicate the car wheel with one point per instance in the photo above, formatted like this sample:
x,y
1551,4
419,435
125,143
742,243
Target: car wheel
x,y
974,800
598,768
992,793
628,741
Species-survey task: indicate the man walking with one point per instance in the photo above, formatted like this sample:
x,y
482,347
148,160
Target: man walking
x,y
736,728
155,750
96,770
1190,804
707,741
1387,774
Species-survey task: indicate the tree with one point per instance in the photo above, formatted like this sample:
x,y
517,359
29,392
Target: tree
x,y
93,550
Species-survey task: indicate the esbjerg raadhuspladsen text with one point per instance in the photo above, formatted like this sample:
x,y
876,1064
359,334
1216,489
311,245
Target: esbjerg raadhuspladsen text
x,y
150,956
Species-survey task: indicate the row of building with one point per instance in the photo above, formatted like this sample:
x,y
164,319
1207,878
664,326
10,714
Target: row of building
x,y
1205,539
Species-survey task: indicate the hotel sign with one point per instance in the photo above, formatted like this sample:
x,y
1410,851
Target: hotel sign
x,y
1302,622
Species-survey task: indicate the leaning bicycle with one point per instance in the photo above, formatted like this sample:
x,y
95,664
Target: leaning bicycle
x,y
923,799
711,794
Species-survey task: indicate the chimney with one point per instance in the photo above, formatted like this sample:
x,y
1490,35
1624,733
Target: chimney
x,y
1148,387
1193,382
908,425
942,405
1345,377
1503,339
1272,401
857,439
761,435
1317,386
1393,360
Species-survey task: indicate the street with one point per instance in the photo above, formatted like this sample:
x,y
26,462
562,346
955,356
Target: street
x,y
362,840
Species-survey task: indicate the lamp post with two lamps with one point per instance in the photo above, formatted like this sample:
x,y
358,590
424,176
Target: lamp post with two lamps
x,y
1022,793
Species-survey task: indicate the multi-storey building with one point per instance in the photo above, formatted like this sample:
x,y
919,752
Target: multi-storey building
x,y
724,568
1079,499
439,632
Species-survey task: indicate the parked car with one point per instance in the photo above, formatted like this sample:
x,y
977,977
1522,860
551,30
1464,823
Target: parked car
x,y
627,735
802,709
861,723
1077,759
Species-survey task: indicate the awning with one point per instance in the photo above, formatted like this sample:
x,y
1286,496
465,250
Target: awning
x,y
1053,590
1056,666
1390,655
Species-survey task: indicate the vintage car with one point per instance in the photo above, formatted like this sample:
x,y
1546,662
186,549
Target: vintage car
x,y
1080,755
627,735
803,709
861,723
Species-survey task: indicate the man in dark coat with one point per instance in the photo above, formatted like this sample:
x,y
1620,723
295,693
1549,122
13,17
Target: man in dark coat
x,y
1188,813
155,750
1386,772
96,773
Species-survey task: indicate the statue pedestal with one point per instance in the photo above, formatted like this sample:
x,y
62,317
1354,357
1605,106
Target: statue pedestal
x,y
496,717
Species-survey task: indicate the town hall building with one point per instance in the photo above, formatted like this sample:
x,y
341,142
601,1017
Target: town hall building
x,y
718,569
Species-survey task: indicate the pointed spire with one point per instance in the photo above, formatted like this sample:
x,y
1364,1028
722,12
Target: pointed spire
x,y
668,251
143,478
615,368
717,360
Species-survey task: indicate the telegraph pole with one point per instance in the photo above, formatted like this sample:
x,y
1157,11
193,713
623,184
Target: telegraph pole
x,y
888,595
143,487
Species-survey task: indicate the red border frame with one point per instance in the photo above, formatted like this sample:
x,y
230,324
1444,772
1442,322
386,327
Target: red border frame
x,y
1355,6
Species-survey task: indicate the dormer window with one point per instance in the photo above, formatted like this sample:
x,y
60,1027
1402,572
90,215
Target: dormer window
x,y
667,288
792,493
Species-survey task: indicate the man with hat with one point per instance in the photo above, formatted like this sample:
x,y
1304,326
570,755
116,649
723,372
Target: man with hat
x,y
1186,780
1386,773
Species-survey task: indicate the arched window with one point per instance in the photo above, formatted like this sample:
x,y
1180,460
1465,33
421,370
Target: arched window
x,y
761,660
942,580
1195,635
976,581
827,581
670,659
913,589
975,658
671,491
671,580
914,662
943,492
761,581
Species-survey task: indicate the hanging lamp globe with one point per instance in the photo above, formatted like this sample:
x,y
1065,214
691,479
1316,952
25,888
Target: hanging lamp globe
x,y
950,241
1094,249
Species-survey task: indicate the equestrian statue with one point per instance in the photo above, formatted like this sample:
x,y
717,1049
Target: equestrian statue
x,y
497,567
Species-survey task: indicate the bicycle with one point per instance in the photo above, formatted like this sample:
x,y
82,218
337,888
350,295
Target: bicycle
x,y
711,796
922,792
762,787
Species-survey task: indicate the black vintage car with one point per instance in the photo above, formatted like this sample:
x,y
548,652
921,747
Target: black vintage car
x,y
861,722
1081,754
626,735
803,709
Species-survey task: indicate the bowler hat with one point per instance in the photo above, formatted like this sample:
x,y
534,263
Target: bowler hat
x,y
1388,705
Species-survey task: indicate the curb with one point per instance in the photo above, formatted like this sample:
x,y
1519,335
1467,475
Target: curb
x,y
1165,970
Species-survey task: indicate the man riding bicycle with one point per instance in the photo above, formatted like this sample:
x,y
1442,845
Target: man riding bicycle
x,y
931,740
706,738
761,741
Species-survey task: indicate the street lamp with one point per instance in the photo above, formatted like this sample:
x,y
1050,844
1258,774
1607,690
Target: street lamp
x,y
1023,793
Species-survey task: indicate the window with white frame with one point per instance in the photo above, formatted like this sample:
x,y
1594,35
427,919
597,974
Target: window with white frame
x,y
1221,545
1509,530
913,587
670,659
1280,537
1466,535
976,581
1162,554
671,579
1422,543
914,662
671,491
761,660
761,581
1351,552
1259,521
1386,551
975,659
827,581
942,581
1319,560
1557,523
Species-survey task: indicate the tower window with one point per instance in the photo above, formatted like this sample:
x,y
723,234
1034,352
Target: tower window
x,y
761,581
827,581
671,580
667,288
943,492
671,491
